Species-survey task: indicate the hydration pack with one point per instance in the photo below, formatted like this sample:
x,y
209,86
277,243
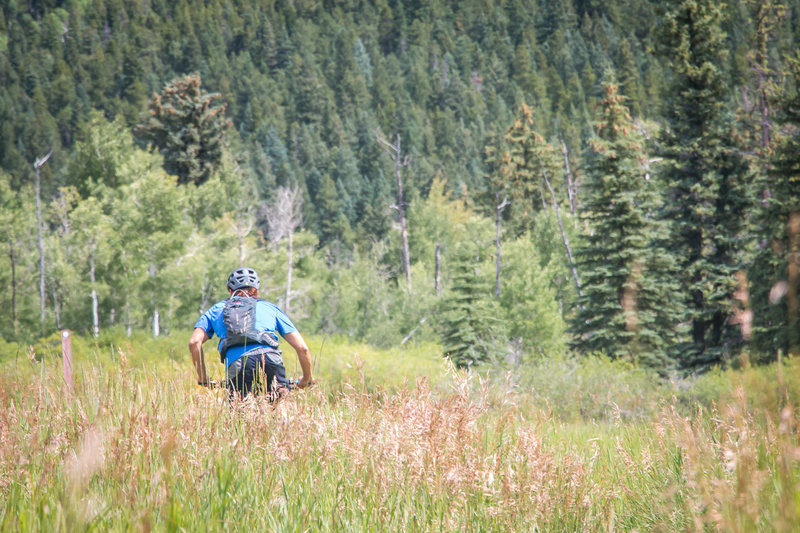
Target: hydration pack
x,y
239,317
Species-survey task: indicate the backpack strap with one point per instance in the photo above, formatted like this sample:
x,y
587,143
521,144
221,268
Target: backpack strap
x,y
239,316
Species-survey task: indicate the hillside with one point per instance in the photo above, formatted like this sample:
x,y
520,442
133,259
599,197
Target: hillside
x,y
136,234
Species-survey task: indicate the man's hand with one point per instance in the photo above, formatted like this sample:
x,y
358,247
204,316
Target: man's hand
x,y
303,382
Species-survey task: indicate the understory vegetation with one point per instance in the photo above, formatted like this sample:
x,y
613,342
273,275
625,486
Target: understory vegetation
x,y
400,441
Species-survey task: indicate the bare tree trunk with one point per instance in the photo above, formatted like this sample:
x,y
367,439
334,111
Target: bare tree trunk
x,y
437,286
12,257
56,310
541,193
396,153
129,325
402,213
563,233
242,228
40,241
570,184
283,218
764,104
92,279
156,325
411,333
765,15
500,208
289,263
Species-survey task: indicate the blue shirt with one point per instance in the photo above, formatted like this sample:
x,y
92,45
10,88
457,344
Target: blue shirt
x,y
269,317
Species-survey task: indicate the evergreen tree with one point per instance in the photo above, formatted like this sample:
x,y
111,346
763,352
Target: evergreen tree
x,y
706,180
331,220
187,125
627,309
521,170
776,287
470,330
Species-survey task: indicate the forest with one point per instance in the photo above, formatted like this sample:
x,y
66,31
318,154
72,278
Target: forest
x,y
511,180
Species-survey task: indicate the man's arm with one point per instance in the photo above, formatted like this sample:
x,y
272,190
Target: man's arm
x,y
297,342
199,336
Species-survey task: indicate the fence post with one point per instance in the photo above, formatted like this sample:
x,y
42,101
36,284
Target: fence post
x,y
66,356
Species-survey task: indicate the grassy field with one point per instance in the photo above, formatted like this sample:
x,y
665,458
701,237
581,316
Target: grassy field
x,y
394,441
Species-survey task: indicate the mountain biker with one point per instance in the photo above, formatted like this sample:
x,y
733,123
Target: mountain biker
x,y
252,347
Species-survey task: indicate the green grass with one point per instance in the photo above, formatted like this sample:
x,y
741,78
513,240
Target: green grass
x,y
393,440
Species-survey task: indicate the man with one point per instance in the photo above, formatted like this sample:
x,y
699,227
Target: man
x,y
248,329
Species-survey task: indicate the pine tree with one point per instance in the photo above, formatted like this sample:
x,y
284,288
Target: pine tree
x,y
187,125
705,179
776,287
521,167
470,330
332,222
530,174
627,308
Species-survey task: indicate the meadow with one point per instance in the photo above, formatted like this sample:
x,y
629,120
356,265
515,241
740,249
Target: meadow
x,y
393,441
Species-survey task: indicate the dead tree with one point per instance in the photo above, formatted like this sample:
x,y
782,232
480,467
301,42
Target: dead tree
x,y
12,257
283,218
396,153
40,241
563,233
242,227
570,183
93,280
500,208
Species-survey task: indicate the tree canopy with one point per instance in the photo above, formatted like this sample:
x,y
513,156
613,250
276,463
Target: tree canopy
x,y
175,127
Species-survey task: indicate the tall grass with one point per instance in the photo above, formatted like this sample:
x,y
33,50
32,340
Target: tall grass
x,y
140,447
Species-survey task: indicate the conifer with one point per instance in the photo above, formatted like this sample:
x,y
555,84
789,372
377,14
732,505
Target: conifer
x,y
705,180
470,330
187,125
627,308
776,288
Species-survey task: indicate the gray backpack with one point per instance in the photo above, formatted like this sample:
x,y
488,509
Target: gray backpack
x,y
239,317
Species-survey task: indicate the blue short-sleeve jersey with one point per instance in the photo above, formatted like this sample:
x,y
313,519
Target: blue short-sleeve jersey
x,y
269,318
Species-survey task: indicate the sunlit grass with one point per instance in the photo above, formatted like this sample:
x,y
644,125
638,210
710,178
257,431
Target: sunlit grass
x,y
388,441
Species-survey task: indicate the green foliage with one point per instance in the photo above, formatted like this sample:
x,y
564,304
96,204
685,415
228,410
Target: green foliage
x,y
592,387
186,125
525,166
529,300
707,181
471,329
627,309
101,157
307,85
775,283
439,219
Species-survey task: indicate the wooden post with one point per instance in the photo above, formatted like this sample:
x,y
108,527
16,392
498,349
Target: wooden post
x,y
66,357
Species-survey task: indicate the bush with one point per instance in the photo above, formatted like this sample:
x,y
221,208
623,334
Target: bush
x,y
591,388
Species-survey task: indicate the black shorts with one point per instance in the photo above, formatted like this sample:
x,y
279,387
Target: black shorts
x,y
259,370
